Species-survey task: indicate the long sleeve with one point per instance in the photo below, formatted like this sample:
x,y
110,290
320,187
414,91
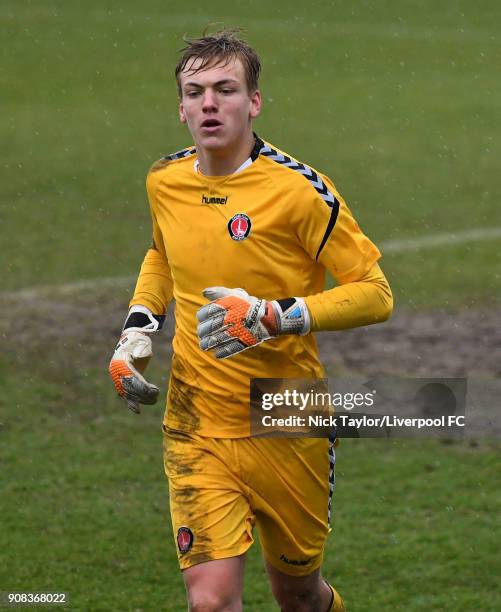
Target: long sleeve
x,y
362,302
154,283
154,287
330,235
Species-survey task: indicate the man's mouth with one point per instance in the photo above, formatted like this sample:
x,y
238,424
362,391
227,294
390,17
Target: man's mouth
x,y
211,123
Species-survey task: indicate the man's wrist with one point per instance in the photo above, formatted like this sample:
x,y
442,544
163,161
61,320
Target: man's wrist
x,y
293,316
140,318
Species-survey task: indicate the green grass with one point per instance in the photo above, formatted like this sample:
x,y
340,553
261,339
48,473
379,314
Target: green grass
x,y
85,509
398,103
449,274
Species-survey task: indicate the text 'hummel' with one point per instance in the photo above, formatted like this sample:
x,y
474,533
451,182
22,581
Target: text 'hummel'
x,y
214,200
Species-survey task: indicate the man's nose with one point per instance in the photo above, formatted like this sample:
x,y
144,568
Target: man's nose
x,y
209,101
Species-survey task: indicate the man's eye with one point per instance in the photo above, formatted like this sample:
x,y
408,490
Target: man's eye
x,y
192,94
227,91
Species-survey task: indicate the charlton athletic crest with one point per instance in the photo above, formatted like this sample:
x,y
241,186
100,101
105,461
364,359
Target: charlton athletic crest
x,y
184,539
239,226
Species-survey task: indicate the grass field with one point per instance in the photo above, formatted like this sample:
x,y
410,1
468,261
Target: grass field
x,y
400,103
85,510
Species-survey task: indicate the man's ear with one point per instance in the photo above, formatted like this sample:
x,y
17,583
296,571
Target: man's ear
x,y
255,108
182,116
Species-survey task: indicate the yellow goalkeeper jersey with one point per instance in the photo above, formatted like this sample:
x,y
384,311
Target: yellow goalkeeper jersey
x,y
273,229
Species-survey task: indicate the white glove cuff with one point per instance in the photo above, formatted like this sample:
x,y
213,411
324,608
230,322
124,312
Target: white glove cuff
x,y
293,316
306,317
140,318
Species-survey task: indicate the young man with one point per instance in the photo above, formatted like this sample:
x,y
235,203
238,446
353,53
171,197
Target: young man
x,y
233,211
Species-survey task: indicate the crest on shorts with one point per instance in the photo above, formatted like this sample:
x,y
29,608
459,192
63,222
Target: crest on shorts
x,y
184,539
239,226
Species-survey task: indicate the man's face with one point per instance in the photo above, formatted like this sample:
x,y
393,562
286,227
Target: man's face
x,y
216,104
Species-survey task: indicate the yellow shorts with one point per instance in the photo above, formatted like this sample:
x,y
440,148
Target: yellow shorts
x,y
219,488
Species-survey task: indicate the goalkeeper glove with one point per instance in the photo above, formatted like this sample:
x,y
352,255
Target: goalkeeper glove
x,y
131,357
235,321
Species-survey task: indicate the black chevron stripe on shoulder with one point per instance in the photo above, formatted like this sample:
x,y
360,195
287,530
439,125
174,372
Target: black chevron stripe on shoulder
x,y
308,173
315,181
180,154
165,161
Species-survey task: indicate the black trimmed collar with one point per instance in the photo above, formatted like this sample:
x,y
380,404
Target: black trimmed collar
x,y
258,145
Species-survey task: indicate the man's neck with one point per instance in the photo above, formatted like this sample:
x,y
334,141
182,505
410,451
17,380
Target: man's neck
x,y
222,163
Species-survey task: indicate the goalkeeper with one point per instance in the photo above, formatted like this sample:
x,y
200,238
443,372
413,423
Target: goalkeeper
x,y
243,235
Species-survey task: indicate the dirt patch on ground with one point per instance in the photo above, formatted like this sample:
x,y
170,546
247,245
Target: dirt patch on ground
x,y
84,328
433,343
70,338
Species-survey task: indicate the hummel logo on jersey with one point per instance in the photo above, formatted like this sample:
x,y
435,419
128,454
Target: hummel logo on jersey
x,y
214,200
